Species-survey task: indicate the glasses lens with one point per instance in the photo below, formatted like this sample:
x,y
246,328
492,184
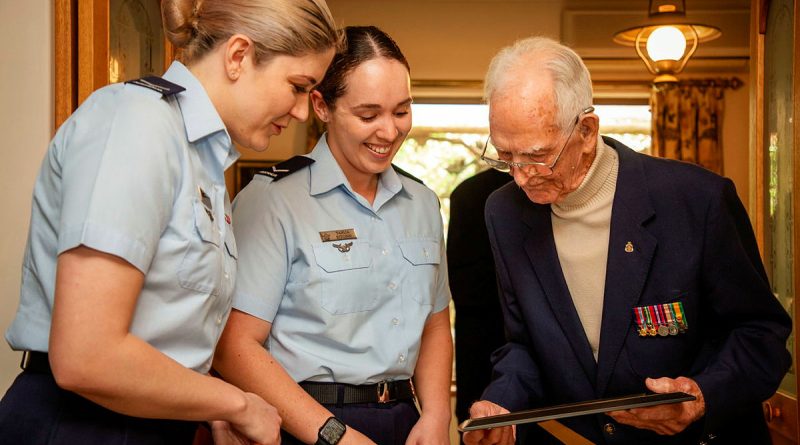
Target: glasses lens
x,y
497,165
492,158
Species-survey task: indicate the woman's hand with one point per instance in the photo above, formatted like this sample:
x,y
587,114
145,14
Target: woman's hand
x,y
430,431
224,434
259,422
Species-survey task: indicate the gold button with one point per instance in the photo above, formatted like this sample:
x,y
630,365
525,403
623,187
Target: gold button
x,y
609,428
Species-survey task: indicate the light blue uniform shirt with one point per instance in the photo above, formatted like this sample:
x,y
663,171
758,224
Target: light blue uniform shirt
x,y
140,176
349,317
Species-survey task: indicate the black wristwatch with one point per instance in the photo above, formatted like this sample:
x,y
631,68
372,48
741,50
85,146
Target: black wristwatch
x,y
331,432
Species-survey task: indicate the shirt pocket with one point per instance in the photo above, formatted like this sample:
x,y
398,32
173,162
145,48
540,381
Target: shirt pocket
x,y
201,267
345,276
662,356
423,257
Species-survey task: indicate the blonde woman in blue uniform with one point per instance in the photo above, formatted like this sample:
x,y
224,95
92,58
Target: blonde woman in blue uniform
x,y
131,261
342,272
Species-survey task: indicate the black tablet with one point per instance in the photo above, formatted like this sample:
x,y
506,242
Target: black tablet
x,y
574,409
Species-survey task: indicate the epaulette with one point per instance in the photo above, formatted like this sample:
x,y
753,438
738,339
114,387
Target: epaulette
x,y
287,167
158,85
406,174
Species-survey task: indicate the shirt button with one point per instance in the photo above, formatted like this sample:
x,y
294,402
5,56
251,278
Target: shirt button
x,y
425,252
402,358
392,285
395,321
227,277
385,252
219,320
609,429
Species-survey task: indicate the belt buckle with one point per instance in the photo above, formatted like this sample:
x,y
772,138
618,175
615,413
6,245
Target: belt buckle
x,y
383,392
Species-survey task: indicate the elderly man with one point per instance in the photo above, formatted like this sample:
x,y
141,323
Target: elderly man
x,y
619,273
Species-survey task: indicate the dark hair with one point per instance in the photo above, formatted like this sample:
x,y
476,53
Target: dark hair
x,y
362,43
289,27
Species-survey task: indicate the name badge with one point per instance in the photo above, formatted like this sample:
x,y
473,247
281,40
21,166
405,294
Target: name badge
x,y
337,235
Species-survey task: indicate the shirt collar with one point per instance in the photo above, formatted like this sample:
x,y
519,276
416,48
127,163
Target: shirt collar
x,y
327,175
200,117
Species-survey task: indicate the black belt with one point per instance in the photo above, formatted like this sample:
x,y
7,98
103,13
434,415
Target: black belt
x,y
342,393
35,361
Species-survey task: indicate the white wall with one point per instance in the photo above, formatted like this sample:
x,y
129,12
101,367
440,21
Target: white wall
x,y
26,119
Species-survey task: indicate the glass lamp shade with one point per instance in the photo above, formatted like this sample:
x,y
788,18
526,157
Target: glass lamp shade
x,y
667,40
666,43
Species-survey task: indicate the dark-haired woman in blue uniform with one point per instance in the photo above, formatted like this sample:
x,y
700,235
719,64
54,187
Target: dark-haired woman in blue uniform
x,y
343,275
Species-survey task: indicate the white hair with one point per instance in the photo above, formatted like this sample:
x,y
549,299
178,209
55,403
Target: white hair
x,y
572,83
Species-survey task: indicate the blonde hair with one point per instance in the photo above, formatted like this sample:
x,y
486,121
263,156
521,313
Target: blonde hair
x,y
288,27
571,80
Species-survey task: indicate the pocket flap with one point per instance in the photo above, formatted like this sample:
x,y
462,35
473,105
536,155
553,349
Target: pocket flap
x,y
342,255
421,251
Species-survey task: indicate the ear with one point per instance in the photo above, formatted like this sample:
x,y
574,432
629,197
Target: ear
x,y
320,107
589,128
239,52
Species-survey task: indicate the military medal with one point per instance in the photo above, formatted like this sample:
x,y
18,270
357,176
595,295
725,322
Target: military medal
x,y
663,329
639,316
679,316
651,328
671,326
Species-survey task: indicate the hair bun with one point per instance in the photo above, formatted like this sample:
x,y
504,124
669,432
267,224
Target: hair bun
x,y
180,20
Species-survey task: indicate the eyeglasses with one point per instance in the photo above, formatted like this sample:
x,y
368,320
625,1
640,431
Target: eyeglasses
x,y
540,168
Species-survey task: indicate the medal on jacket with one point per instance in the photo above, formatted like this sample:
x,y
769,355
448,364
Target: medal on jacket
x,y
651,327
680,318
672,327
663,330
638,314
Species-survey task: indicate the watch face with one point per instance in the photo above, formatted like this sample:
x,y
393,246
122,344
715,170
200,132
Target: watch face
x,y
332,431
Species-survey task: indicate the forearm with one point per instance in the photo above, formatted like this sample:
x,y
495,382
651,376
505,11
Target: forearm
x,y
246,364
131,377
93,353
434,367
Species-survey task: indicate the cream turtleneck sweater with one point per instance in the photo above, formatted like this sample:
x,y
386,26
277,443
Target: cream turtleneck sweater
x,y
581,227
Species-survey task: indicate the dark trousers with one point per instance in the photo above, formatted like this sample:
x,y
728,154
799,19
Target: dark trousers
x,y
479,331
383,423
36,411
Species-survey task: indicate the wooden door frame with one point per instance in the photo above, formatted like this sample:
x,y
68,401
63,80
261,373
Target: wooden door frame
x,y
81,50
782,409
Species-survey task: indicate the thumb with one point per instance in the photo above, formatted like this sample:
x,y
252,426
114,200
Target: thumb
x,y
664,384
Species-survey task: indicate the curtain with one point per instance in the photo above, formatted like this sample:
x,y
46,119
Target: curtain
x,y
687,122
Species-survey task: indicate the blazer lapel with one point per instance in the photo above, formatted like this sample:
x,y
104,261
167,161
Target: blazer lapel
x,y
541,250
630,251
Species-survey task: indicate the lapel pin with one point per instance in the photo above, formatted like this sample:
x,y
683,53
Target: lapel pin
x,y
629,247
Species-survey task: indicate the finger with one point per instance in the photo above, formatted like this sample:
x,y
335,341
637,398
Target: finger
x,y
507,437
472,437
661,385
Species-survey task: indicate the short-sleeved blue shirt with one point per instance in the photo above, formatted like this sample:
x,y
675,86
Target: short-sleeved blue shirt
x,y
139,175
348,314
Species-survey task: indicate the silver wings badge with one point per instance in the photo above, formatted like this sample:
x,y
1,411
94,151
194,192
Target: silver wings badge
x,y
343,247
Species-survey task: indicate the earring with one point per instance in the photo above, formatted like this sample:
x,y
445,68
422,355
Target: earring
x,y
234,75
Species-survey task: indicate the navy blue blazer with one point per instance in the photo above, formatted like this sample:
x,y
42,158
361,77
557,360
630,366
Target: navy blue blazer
x,y
693,243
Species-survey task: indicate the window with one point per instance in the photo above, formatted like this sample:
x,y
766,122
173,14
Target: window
x,y
446,140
